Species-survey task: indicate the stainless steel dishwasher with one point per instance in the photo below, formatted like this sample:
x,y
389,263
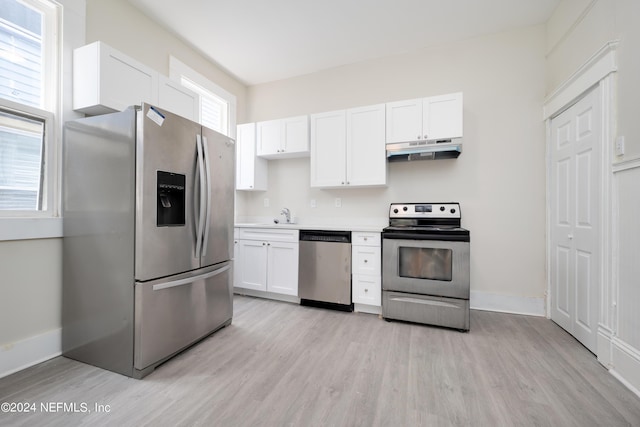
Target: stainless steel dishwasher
x,y
324,273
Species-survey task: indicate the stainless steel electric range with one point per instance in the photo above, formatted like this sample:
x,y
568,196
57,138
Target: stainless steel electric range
x,y
425,265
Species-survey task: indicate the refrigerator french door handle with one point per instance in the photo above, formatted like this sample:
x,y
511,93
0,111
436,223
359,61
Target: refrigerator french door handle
x,y
203,203
207,224
188,280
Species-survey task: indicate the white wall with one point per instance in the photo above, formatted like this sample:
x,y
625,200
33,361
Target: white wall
x,y
499,179
576,31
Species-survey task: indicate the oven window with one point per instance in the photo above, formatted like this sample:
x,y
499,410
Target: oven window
x,y
425,263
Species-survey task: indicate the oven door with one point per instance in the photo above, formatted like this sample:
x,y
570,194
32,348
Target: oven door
x,y
427,267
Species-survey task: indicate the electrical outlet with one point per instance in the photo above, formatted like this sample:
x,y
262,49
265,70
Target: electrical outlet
x,y
620,146
313,203
266,202
338,202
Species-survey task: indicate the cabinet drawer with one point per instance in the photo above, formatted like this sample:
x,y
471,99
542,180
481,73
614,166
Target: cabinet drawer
x,y
366,290
269,234
366,260
361,238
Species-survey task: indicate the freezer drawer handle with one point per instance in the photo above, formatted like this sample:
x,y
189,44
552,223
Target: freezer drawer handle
x,y
188,280
425,302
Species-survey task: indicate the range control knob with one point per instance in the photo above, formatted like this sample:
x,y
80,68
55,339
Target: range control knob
x,y
404,209
453,211
395,211
442,208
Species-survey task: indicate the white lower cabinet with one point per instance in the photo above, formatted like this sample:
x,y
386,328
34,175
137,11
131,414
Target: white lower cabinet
x,y
267,261
366,289
366,271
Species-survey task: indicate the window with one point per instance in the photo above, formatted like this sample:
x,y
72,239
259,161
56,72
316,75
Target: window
x,y
217,106
28,89
214,111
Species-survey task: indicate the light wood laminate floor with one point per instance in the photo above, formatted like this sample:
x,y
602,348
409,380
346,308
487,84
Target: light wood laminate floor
x,y
280,364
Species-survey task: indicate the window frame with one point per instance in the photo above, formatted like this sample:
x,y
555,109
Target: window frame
x,y
49,205
178,70
45,222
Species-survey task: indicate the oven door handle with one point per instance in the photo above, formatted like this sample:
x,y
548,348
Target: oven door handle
x,y
425,236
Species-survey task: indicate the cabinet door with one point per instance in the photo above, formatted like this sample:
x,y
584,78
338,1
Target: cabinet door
x,y
366,290
105,80
236,256
251,171
268,137
366,154
404,120
295,133
251,265
282,268
442,116
174,97
328,148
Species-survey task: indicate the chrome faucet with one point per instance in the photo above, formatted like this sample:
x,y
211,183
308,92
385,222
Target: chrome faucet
x,y
287,214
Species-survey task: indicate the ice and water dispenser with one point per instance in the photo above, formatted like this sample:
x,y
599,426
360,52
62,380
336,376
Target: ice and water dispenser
x,y
171,199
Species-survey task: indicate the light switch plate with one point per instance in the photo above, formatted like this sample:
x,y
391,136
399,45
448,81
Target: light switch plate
x,y
338,202
266,202
620,146
313,203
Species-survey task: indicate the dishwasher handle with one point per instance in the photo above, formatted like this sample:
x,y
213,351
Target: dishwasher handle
x,y
325,236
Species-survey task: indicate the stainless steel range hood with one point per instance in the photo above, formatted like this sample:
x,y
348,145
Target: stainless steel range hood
x,y
424,150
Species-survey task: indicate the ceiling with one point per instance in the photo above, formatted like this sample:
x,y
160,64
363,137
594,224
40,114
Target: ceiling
x,y
259,41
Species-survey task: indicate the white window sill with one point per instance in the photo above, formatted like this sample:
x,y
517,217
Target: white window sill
x,y
30,228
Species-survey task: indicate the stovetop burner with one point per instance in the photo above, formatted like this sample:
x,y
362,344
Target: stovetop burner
x,y
435,221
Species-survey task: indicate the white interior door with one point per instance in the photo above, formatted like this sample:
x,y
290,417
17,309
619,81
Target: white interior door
x,y
575,218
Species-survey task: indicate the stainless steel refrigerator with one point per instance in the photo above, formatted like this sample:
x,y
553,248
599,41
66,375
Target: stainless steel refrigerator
x,y
148,207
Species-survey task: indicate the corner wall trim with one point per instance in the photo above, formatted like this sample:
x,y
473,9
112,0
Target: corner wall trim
x,y
600,65
17,356
486,301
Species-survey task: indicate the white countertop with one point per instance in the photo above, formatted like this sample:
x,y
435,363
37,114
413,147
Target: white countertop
x,y
349,226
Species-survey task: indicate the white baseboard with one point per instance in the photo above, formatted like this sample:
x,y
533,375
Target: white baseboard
x,y
17,356
507,303
604,346
626,365
366,308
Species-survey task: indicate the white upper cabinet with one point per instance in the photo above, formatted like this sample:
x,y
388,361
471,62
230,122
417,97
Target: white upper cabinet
x,y
348,148
366,155
105,80
328,149
283,138
251,171
442,117
433,118
174,97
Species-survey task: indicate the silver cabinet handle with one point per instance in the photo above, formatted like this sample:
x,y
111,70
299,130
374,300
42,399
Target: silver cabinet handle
x,y
366,238
366,261
570,236
425,137
366,290
418,137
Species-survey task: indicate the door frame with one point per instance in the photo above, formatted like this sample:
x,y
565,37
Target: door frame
x,y
599,74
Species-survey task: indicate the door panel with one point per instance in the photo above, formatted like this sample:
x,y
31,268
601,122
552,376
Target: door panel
x,y
219,239
282,268
575,232
166,143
